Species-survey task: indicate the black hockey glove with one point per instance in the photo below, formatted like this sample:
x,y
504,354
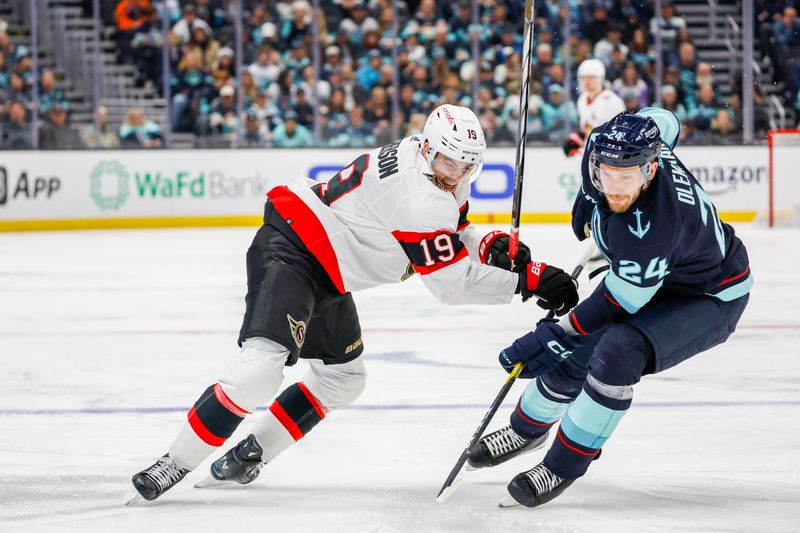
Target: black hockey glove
x,y
556,290
493,251
574,143
540,350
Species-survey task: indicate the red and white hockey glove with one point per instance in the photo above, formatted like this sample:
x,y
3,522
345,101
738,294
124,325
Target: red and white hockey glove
x,y
493,251
555,289
574,143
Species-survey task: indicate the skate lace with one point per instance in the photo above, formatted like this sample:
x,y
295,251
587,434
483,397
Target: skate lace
x,y
542,479
504,441
165,473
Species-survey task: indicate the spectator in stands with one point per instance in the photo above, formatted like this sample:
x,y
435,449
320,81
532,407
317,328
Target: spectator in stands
x,y
359,131
357,23
138,132
559,115
670,102
205,46
265,69
786,33
16,132
723,123
185,27
282,92
300,24
55,134
303,108
616,66
376,108
705,109
541,64
7,48
146,50
687,72
667,24
298,58
630,85
104,137
18,90
48,94
612,41
249,90
640,52
222,117
290,134
416,124
595,26
256,134
192,89
268,113
369,72
130,16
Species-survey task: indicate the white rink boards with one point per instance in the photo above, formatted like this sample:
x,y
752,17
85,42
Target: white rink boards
x,y
107,337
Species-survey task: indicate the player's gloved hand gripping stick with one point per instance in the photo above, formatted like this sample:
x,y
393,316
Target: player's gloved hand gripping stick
x,y
448,486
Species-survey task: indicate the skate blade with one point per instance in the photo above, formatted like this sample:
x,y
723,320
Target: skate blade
x,y
446,493
211,481
134,498
507,502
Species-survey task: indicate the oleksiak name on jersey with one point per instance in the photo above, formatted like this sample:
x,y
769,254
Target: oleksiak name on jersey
x,y
382,218
670,240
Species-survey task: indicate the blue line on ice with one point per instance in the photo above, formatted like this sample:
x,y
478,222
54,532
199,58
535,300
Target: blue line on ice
x,y
389,407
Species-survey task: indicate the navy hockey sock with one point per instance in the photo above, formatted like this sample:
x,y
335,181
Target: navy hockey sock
x,y
588,423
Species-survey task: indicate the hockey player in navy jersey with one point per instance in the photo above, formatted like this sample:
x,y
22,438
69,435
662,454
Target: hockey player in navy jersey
x,y
678,284
395,211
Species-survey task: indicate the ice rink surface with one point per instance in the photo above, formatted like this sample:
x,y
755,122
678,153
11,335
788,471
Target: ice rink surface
x,y
107,337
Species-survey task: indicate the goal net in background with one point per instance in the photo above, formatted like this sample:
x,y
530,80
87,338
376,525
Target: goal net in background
x,y
784,177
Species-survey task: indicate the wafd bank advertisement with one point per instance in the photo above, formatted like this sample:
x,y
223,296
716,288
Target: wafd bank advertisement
x,y
63,190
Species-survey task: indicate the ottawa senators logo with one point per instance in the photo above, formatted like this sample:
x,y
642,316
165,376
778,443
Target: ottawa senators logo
x,y
298,328
409,272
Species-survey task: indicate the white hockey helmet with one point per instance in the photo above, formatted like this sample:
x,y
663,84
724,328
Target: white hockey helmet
x,y
592,67
455,132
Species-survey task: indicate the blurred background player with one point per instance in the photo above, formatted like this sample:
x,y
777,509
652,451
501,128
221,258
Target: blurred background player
x,y
596,103
394,211
678,285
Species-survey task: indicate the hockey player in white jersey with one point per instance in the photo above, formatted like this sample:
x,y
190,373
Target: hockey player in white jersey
x,y
596,104
395,211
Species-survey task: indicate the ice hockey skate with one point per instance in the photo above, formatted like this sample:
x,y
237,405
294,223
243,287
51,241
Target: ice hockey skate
x,y
501,446
240,465
533,488
152,482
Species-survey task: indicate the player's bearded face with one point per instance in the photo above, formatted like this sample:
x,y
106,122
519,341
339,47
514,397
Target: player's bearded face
x,y
450,172
621,185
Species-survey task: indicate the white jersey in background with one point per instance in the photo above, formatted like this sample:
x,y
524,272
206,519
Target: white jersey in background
x,y
596,111
382,218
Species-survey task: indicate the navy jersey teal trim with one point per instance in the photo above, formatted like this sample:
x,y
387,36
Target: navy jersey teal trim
x,y
670,240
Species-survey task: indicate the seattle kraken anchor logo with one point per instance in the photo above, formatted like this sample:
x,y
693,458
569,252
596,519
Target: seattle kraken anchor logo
x,y
639,231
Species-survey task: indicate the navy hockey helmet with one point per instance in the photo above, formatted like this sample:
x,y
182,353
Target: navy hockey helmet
x,y
625,141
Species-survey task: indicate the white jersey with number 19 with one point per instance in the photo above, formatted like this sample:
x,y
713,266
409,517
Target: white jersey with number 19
x,y
381,219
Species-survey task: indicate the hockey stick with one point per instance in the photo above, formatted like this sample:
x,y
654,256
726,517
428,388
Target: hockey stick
x,y
444,493
522,133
